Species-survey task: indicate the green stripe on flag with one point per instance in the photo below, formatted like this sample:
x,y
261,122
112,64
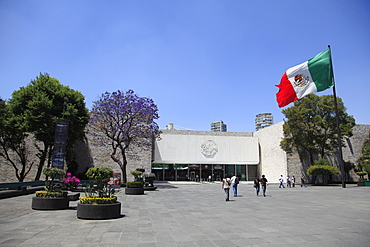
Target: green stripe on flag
x,y
320,69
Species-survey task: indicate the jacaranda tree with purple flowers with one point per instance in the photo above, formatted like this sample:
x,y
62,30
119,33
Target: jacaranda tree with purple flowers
x,y
121,119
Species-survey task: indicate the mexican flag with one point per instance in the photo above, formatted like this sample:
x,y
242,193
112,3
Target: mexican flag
x,y
312,76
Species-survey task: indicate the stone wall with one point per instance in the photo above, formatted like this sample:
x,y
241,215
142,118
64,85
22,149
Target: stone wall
x,y
87,155
92,155
351,153
273,160
7,172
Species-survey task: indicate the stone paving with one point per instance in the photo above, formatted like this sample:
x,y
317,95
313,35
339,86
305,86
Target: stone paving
x,y
179,214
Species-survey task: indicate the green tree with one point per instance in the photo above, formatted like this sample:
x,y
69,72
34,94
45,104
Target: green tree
x,y
310,125
364,160
13,141
37,107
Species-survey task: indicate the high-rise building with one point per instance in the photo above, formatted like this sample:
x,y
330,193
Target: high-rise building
x,y
218,126
263,120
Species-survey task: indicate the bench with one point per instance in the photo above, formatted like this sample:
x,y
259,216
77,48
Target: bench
x,y
20,188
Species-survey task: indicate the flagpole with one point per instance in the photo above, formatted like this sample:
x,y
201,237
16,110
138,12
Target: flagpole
x,y
341,163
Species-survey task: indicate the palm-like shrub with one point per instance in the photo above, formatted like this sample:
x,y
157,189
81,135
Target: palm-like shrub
x,y
53,174
98,188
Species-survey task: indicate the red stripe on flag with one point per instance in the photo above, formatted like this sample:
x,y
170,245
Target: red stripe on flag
x,y
286,94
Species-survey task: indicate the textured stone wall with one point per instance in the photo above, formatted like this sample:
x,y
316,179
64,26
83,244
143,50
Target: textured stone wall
x,y
351,153
87,155
353,150
7,172
274,161
92,155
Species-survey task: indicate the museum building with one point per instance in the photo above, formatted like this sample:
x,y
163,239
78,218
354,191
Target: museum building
x,y
182,155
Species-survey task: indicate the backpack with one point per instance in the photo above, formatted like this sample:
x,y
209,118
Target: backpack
x,y
236,180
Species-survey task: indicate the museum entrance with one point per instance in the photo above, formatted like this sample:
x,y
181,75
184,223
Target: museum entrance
x,y
202,172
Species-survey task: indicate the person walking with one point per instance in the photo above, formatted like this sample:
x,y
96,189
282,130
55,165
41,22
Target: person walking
x,y
303,181
293,181
281,180
257,185
226,187
264,185
234,184
288,182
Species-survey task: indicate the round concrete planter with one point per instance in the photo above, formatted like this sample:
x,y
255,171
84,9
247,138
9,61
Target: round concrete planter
x,y
98,211
40,203
150,188
134,191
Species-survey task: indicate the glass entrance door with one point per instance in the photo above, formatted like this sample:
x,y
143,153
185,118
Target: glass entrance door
x,y
252,172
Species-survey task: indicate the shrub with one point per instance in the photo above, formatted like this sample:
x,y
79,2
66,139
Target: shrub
x,y
316,170
136,174
99,173
361,174
135,184
52,173
142,170
98,187
98,200
324,170
48,194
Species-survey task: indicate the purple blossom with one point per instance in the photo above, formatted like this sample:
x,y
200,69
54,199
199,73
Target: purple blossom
x,y
120,119
70,182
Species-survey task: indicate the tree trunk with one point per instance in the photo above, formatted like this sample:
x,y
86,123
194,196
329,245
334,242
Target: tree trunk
x,y
42,162
124,165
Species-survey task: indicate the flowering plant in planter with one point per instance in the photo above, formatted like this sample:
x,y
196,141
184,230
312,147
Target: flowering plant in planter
x,y
52,198
99,201
135,187
135,184
98,191
50,185
70,182
48,194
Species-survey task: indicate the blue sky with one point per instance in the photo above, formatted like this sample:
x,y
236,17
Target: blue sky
x,y
200,61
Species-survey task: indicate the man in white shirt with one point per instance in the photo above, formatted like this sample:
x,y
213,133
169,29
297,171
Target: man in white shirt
x,y
234,184
281,180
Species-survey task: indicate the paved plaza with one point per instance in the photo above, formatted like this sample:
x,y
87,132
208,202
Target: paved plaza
x,y
179,214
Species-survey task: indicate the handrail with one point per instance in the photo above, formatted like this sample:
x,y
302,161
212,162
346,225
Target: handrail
x,y
21,184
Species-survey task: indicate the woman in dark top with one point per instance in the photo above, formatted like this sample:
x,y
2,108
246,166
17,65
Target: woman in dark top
x,y
257,185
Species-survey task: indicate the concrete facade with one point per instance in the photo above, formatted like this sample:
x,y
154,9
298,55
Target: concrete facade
x,y
194,147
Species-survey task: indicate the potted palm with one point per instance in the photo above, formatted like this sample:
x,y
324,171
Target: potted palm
x,y
52,197
99,201
137,186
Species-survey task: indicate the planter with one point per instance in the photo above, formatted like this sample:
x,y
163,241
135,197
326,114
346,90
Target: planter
x,y
98,211
360,183
134,191
73,196
150,188
40,203
367,183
